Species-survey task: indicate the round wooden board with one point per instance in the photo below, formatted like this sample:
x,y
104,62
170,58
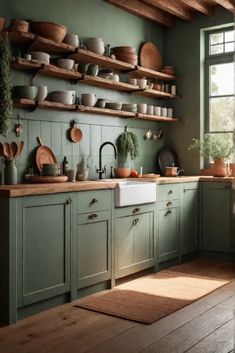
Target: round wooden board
x,y
47,179
150,57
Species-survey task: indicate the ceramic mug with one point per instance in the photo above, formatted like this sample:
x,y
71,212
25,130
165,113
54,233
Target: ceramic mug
x,y
170,112
142,83
164,111
142,108
72,39
150,109
42,93
92,70
158,111
88,99
132,81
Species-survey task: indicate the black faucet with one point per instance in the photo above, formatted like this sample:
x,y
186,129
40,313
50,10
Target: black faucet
x,y
101,170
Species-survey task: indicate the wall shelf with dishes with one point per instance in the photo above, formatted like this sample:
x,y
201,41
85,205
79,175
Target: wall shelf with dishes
x,y
32,105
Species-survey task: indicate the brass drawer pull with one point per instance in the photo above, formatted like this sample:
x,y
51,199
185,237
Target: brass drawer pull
x,y
93,201
168,212
135,221
92,216
136,210
169,204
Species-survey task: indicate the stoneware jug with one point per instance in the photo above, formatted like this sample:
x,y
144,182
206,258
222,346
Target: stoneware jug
x,y
10,172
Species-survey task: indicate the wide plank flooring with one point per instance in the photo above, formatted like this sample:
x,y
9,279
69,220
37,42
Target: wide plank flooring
x,y
206,326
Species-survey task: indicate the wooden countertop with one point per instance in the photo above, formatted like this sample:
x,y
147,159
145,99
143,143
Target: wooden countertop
x,y
43,189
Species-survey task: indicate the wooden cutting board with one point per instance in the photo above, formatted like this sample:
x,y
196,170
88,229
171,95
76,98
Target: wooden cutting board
x,y
47,179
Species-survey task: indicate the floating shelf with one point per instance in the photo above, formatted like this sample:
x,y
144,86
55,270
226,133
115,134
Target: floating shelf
x,y
31,104
148,73
155,93
50,46
107,83
105,62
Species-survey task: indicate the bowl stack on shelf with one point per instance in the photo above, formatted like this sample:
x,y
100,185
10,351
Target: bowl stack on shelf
x,y
126,54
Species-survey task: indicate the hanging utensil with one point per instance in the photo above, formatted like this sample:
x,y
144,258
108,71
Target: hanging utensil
x,y
7,150
75,134
2,153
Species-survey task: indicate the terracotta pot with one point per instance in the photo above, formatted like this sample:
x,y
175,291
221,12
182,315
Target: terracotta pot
x,y
49,30
220,168
122,172
2,20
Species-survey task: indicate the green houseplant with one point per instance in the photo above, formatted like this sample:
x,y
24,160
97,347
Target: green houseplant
x,y
217,147
6,102
127,146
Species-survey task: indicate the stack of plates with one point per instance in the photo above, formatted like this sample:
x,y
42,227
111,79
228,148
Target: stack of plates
x,y
129,107
127,54
113,105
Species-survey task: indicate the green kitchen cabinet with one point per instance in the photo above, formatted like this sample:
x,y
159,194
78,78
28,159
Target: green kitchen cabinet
x,y
134,239
93,237
216,216
168,230
43,247
189,218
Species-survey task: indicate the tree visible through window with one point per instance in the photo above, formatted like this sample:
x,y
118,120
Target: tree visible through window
x,y
220,83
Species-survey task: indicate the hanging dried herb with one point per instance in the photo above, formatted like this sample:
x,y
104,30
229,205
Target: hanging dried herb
x,y
127,144
6,103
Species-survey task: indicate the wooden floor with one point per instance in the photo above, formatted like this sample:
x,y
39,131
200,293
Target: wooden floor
x,y
205,326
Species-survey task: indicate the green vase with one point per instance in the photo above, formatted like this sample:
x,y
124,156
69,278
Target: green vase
x,y
10,172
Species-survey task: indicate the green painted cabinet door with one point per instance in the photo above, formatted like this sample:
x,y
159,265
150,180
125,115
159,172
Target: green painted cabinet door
x,y
189,220
44,248
216,217
93,248
168,232
134,243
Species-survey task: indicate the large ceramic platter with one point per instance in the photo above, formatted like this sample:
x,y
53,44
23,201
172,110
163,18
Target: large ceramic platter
x,y
150,57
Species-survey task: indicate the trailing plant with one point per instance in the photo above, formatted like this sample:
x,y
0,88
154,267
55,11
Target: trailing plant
x,y
214,146
6,102
127,145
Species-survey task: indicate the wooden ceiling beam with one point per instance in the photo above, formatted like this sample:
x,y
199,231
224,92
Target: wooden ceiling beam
x,y
173,7
142,9
198,5
227,4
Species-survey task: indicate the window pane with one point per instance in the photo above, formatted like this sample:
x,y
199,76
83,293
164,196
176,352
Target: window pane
x,y
222,114
221,79
216,38
216,49
229,47
229,36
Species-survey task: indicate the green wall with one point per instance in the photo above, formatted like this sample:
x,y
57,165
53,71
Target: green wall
x,y
182,50
86,18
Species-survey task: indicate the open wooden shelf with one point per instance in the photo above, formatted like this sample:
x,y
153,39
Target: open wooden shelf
x,y
105,62
156,118
107,83
17,37
31,104
148,73
155,93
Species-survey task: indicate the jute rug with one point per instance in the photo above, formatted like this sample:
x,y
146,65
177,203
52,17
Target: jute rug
x,y
151,297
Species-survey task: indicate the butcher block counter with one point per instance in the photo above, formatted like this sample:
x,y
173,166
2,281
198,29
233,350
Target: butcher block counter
x,y
54,188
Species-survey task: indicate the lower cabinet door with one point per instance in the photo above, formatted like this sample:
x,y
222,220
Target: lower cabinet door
x,y
93,248
134,243
216,217
168,234
189,218
44,248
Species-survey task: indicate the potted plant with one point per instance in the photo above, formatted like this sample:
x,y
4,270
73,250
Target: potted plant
x,y
127,146
6,102
217,147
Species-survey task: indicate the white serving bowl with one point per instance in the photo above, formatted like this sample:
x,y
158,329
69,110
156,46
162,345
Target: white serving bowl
x,y
72,39
40,56
66,63
96,45
64,97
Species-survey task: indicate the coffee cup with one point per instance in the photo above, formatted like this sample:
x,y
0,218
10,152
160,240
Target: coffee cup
x,y
142,108
42,93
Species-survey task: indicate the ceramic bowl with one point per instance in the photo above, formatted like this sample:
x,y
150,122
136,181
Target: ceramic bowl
x,y
49,30
72,39
64,97
88,99
65,63
40,56
51,169
96,45
142,83
122,172
26,92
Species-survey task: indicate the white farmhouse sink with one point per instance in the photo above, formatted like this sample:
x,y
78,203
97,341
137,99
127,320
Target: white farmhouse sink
x,y
134,193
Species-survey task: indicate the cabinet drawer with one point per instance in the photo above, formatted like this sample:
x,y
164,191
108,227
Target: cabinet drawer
x,y
168,204
168,192
134,210
95,200
93,217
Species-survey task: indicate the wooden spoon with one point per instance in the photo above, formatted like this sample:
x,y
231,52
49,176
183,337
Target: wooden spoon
x,y
2,151
6,150
20,148
14,150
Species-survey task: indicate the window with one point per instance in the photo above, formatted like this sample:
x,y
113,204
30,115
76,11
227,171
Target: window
x,y
220,83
